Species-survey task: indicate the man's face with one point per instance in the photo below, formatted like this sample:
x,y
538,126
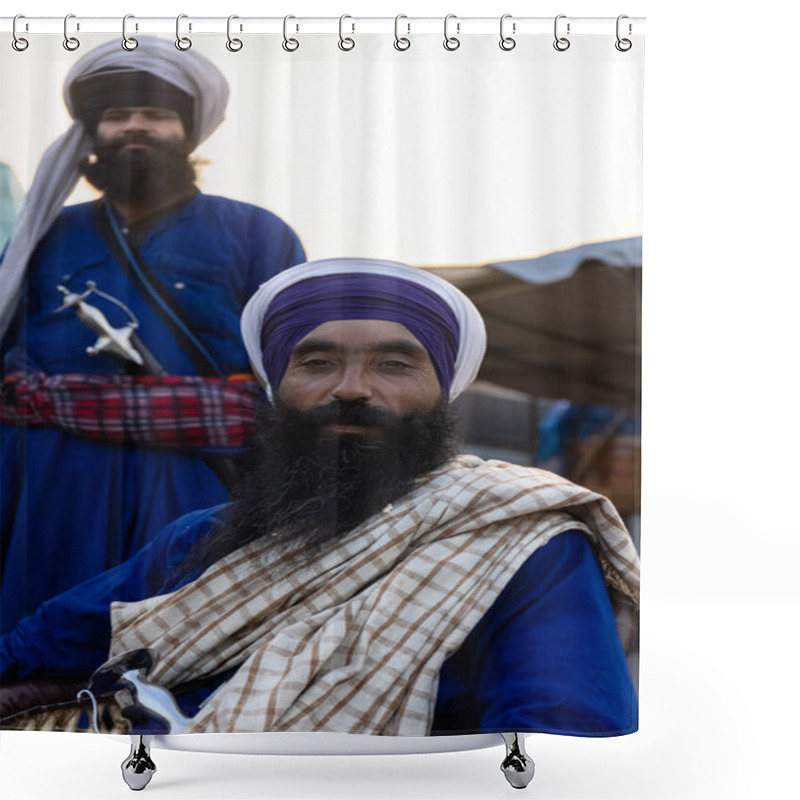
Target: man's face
x,y
376,362
141,156
138,123
359,417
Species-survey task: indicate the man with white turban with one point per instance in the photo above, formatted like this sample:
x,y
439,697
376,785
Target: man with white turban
x,y
367,579
98,453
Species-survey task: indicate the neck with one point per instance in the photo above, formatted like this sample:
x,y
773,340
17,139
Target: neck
x,y
134,212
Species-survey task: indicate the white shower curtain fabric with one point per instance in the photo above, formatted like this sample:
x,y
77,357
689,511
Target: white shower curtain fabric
x,y
513,174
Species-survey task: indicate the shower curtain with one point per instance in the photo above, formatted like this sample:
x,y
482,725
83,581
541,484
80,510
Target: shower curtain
x,y
503,158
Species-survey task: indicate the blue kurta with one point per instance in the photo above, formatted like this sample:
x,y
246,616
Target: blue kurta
x,y
545,658
72,508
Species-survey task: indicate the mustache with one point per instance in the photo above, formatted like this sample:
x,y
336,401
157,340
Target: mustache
x,y
113,146
345,412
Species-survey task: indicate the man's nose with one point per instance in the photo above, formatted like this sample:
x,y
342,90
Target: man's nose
x,y
353,384
136,122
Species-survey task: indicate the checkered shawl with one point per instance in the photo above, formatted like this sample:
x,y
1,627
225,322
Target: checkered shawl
x,y
166,411
353,642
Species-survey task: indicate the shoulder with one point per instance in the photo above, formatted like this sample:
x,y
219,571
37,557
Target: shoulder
x,y
172,545
238,211
77,210
468,465
73,235
183,532
72,216
501,478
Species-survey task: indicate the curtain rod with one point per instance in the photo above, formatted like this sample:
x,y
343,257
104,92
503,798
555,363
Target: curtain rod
x,y
406,25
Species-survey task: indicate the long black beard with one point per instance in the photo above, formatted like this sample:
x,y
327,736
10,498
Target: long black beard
x,y
303,489
141,177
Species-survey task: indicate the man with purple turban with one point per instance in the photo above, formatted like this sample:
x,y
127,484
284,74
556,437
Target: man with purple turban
x,y
100,452
367,578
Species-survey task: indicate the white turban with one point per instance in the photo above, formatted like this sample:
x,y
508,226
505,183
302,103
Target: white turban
x,y
58,171
470,336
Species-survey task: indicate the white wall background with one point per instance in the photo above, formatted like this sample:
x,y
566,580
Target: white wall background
x,y
720,698
384,154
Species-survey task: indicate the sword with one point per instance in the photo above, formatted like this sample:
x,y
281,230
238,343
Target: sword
x,y
129,670
121,343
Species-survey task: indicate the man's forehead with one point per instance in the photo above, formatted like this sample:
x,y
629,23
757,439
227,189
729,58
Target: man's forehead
x,y
360,333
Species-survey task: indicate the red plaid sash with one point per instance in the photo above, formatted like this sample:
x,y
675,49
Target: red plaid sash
x,y
169,411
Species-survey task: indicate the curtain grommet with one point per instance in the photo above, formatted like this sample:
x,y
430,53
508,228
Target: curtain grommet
x,y
128,42
233,44
346,43
19,43
71,43
451,43
561,43
507,43
182,42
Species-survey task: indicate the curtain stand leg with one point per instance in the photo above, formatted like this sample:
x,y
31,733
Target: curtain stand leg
x,y
138,768
517,766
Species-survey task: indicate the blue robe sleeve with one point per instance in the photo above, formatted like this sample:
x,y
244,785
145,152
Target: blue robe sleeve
x,y
545,658
70,634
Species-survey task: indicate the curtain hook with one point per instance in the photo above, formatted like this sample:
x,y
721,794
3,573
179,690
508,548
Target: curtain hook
x,y
401,42
451,42
290,45
346,42
18,42
234,45
70,42
623,45
506,42
561,43
182,42
127,42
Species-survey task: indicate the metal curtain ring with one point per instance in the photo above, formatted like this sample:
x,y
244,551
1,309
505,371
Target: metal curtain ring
x,y
182,42
18,42
234,45
70,42
451,42
128,43
506,42
401,42
623,45
289,44
561,43
345,42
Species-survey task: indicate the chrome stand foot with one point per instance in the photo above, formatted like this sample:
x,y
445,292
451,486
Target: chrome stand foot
x,y
517,766
138,768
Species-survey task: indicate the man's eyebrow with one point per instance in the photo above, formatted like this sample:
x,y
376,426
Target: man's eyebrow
x,y
401,346
313,346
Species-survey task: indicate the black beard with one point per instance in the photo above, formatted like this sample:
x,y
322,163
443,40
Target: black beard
x,y
302,488
141,177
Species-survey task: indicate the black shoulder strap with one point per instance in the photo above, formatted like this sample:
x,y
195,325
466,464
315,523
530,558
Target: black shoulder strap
x,y
151,288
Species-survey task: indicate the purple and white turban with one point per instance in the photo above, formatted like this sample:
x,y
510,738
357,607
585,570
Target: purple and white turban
x,y
288,307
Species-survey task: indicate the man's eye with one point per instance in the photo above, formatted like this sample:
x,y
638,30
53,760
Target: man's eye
x,y
315,362
394,364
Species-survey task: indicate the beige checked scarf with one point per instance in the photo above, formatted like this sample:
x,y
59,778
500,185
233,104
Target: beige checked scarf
x,y
354,642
